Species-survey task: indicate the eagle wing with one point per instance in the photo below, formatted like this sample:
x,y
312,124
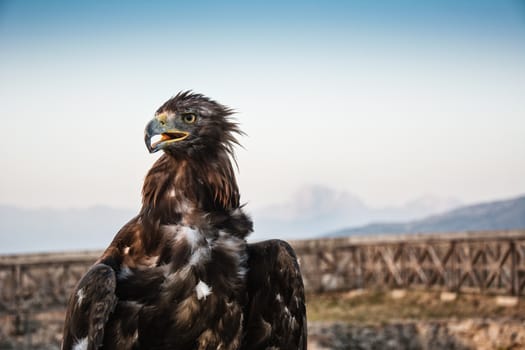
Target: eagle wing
x,y
275,315
89,308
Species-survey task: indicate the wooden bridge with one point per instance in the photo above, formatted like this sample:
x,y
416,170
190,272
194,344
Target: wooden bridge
x,y
482,262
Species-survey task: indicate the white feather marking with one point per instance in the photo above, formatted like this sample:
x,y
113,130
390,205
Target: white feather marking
x,y
200,255
287,311
165,268
126,250
297,301
172,193
202,290
124,272
81,344
278,297
80,296
292,323
241,272
192,236
231,243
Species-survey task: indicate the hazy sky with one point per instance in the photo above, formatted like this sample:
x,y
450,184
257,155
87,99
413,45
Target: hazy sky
x,y
389,100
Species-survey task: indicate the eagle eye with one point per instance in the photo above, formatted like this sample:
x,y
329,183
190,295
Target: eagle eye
x,y
189,118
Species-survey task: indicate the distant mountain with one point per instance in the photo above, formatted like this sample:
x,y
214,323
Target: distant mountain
x,y
311,210
497,215
45,230
314,209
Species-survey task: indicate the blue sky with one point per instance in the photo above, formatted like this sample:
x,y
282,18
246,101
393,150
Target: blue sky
x,y
389,100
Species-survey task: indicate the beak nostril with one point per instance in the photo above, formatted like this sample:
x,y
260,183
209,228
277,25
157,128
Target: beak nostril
x,y
161,118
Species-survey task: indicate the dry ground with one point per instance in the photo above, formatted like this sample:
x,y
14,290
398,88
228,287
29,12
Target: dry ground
x,y
380,307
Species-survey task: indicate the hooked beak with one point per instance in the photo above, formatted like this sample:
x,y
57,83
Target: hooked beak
x,y
157,127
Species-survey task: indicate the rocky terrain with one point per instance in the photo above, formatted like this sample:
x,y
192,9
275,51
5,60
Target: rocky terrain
x,y
480,334
414,319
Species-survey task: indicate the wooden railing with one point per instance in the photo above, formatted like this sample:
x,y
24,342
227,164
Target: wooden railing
x,y
36,282
484,262
492,262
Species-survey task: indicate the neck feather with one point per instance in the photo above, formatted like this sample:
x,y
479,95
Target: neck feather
x,y
176,188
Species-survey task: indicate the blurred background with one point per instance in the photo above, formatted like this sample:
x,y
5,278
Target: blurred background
x,y
355,111
362,117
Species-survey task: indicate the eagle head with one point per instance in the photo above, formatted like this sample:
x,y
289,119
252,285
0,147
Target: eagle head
x,y
189,124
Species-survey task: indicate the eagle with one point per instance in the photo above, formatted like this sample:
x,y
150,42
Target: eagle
x,y
181,275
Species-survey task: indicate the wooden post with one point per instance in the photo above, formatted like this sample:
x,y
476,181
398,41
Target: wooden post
x,y
513,268
360,260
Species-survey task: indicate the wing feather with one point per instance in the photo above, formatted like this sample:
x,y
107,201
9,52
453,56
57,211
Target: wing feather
x,y
275,312
89,308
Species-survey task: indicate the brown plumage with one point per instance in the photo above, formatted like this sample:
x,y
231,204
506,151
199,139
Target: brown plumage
x,y
180,275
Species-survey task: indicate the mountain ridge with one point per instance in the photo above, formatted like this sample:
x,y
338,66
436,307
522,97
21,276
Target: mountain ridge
x,y
316,208
503,214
